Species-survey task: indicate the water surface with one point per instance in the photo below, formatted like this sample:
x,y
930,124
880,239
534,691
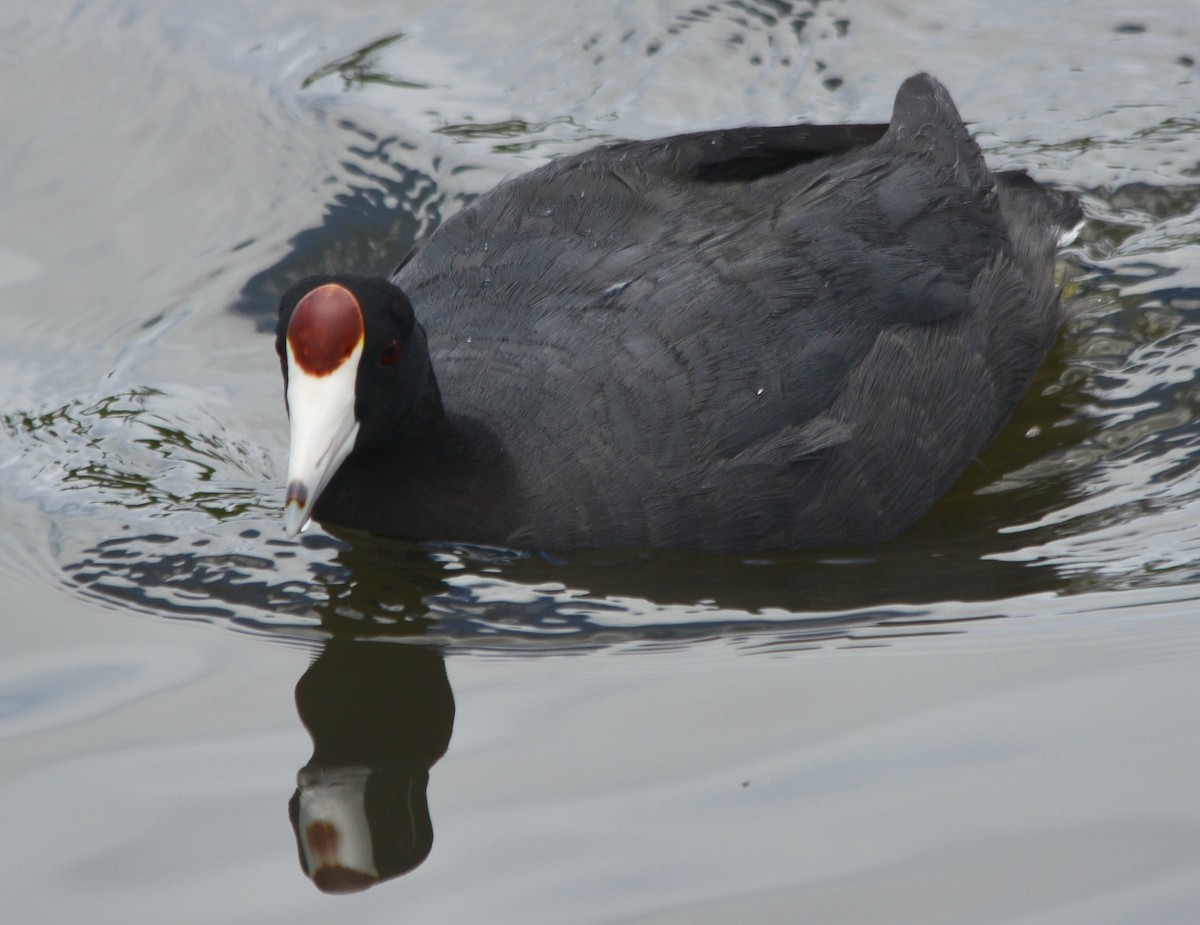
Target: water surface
x,y
989,719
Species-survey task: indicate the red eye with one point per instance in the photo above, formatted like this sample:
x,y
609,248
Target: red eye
x,y
389,354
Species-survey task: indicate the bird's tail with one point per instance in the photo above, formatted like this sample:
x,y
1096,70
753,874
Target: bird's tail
x,y
1020,193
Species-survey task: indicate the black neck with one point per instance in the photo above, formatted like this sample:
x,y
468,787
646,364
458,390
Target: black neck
x,y
445,477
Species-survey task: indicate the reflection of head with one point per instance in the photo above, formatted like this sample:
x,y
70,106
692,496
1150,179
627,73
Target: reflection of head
x,y
355,827
380,715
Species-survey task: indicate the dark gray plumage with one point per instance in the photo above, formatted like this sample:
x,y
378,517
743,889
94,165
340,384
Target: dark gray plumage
x,y
748,339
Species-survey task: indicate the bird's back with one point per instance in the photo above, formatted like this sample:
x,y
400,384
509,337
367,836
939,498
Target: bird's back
x,y
764,337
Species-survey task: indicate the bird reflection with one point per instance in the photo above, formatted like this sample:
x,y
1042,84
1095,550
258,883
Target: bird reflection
x,y
380,715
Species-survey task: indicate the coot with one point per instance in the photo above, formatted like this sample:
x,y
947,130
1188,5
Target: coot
x,y
752,339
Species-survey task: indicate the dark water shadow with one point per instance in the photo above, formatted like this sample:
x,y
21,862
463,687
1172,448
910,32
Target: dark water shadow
x,y
383,205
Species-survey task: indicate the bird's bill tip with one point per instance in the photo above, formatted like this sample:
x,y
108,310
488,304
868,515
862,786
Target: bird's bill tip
x,y
295,508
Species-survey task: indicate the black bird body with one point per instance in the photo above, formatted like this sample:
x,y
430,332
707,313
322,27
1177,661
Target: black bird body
x,y
747,339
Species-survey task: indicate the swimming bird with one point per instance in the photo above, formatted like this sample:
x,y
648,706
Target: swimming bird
x,y
750,339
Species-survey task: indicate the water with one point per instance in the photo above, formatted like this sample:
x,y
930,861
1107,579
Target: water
x,y
990,719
